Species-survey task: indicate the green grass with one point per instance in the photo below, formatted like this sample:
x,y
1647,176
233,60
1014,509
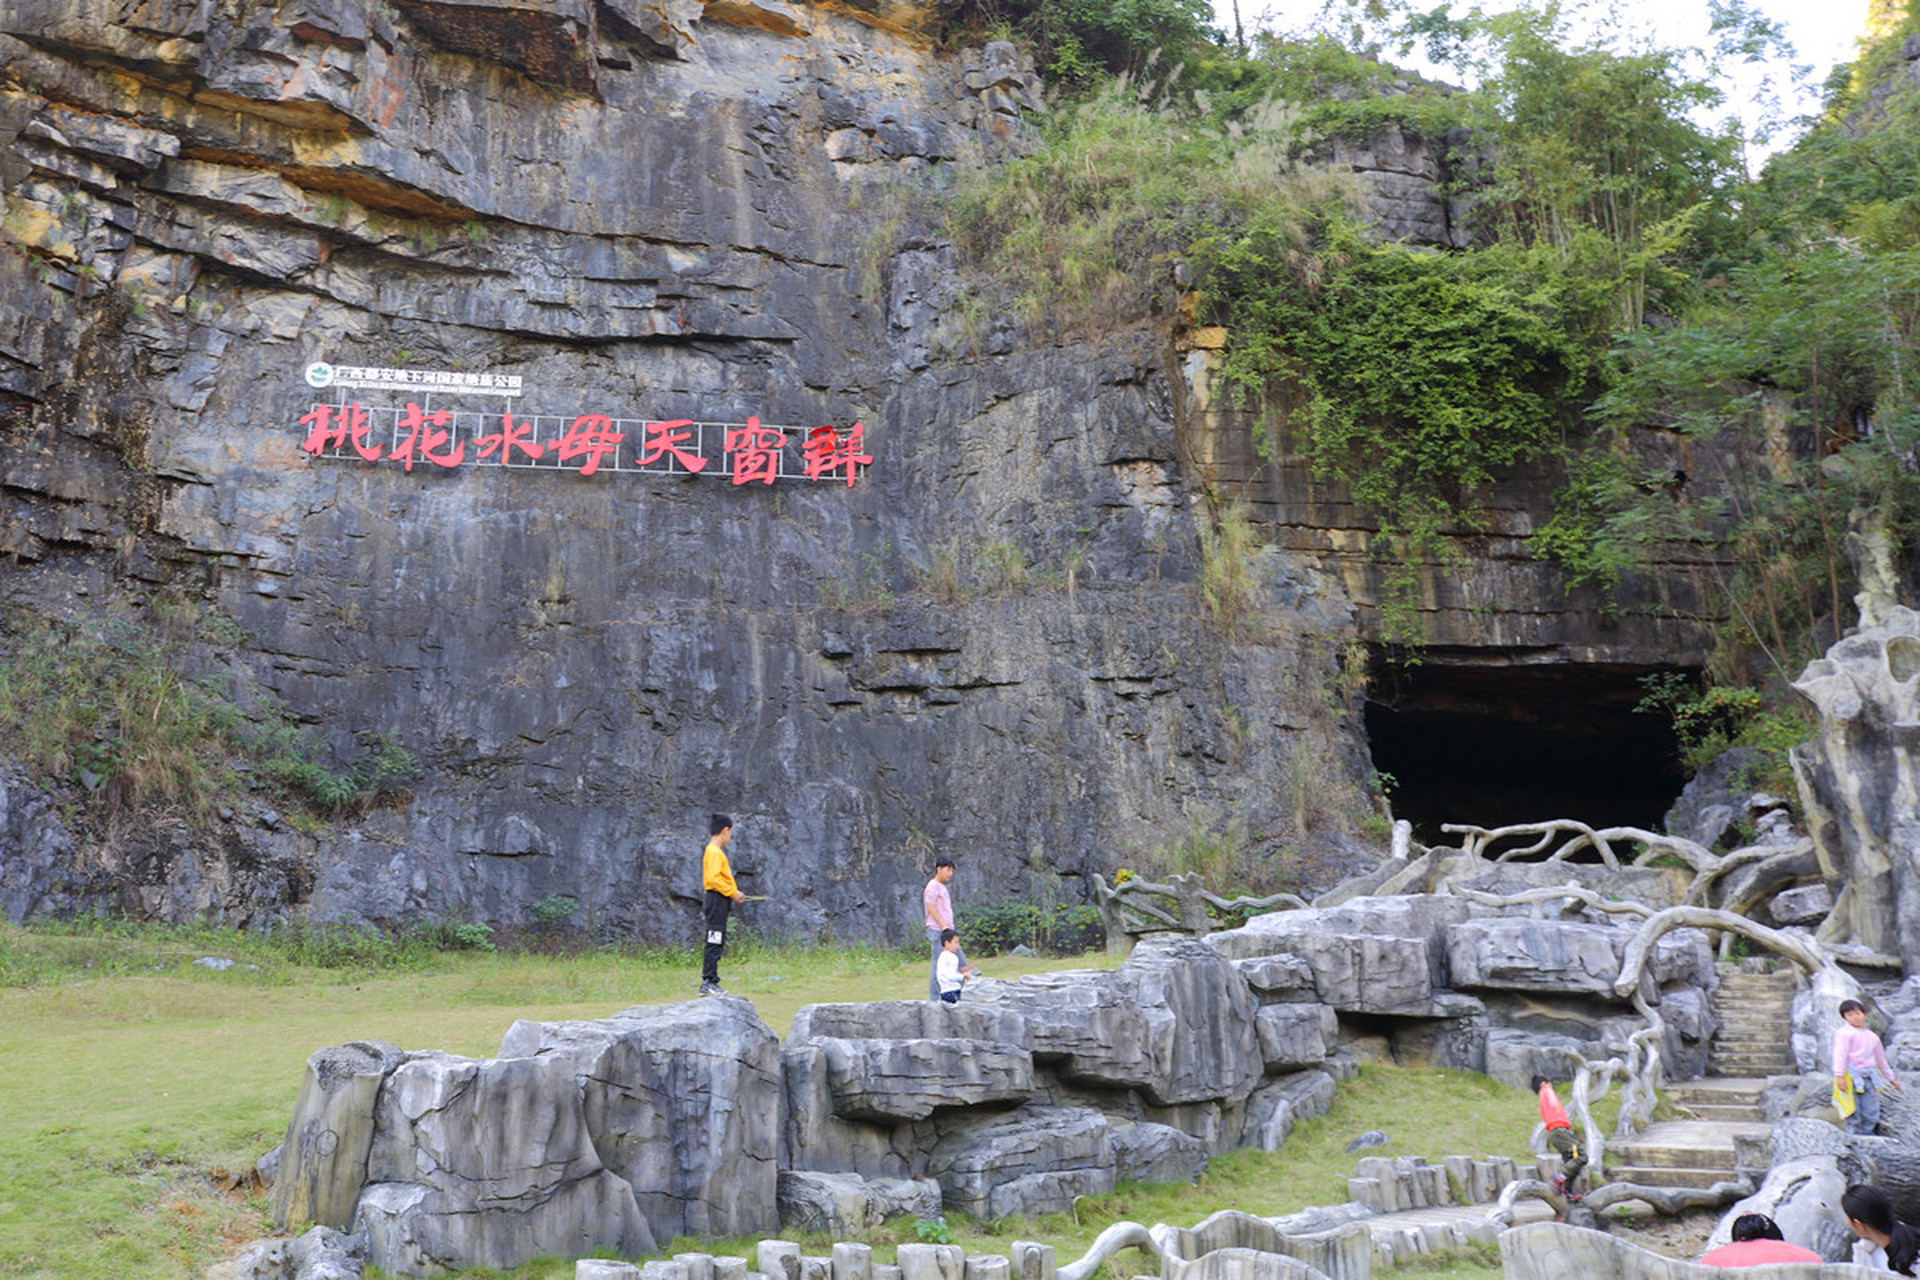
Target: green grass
x,y
133,1104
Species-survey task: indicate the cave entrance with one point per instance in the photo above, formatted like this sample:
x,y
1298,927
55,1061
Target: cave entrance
x,y
1496,745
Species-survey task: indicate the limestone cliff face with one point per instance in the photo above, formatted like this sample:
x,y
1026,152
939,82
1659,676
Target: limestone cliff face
x,y
990,645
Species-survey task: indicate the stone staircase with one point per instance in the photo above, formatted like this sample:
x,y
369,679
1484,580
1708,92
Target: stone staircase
x,y
1692,1153
1755,1012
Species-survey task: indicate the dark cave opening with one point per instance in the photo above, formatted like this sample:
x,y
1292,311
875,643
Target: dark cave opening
x,y
1497,745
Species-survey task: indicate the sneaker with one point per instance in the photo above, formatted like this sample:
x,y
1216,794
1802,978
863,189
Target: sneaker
x,y
712,989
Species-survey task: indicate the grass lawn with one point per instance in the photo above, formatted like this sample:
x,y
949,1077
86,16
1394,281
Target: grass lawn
x,y
134,1104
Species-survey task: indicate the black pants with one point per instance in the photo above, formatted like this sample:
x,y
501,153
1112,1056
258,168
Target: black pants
x,y
718,907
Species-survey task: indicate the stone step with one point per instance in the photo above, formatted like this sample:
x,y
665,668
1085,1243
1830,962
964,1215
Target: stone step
x,y
1737,978
1769,1054
1767,1014
1731,1113
1718,1090
1754,999
1749,1065
1684,1144
1752,1009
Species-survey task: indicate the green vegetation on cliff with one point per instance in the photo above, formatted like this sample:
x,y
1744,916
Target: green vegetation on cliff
x,y
1078,40
137,708
1708,359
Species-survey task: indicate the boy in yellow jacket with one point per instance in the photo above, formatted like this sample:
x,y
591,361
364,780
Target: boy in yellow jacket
x,y
716,877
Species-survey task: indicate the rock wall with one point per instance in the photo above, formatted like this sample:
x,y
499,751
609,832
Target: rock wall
x,y
991,644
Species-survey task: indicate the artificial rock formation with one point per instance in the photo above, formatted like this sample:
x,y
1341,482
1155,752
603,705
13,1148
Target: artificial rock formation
x,y
1857,777
847,1206
616,1135
1810,1164
623,1133
1032,1093
488,1164
679,1101
1488,985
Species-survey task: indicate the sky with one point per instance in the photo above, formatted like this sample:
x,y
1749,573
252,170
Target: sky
x,y
1823,33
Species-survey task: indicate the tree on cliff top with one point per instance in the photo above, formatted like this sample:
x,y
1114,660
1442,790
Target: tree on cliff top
x,y
1788,377
1077,40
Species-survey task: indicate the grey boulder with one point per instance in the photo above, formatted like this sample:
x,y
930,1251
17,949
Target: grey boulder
x,y
844,1205
891,1080
1030,1161
488,1163
323,1162
1295,1035
1147,1152
683,1102
1521,954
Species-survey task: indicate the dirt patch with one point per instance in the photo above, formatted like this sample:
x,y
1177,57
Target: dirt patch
x,y
1684,1235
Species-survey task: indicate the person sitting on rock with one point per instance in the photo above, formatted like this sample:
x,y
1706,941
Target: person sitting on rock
x,y
1860,1062
1560,1137
1884,1241
949,971
1756,1242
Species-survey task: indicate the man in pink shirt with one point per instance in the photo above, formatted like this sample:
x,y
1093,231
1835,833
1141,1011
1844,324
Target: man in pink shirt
x,y
1859,1057
1756,1242
939,919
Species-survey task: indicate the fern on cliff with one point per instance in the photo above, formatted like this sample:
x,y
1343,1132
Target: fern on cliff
x,y
126,706
1086,232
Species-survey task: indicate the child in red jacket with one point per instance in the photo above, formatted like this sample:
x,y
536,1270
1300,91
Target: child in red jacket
x,y
1560,1137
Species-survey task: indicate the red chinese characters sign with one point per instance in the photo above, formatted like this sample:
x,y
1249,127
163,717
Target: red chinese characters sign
x,y
413,434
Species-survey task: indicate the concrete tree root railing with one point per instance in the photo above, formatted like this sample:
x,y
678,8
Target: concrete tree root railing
x,y
1768,867
1665,1200
1709,868
1643,1065
1561,1251
1229,1245
1126,913
1339,1251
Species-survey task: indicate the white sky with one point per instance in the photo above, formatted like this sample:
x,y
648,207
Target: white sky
x,y
1824,33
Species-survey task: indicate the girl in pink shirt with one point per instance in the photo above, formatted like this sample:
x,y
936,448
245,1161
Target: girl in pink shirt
x,y
1859,1057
